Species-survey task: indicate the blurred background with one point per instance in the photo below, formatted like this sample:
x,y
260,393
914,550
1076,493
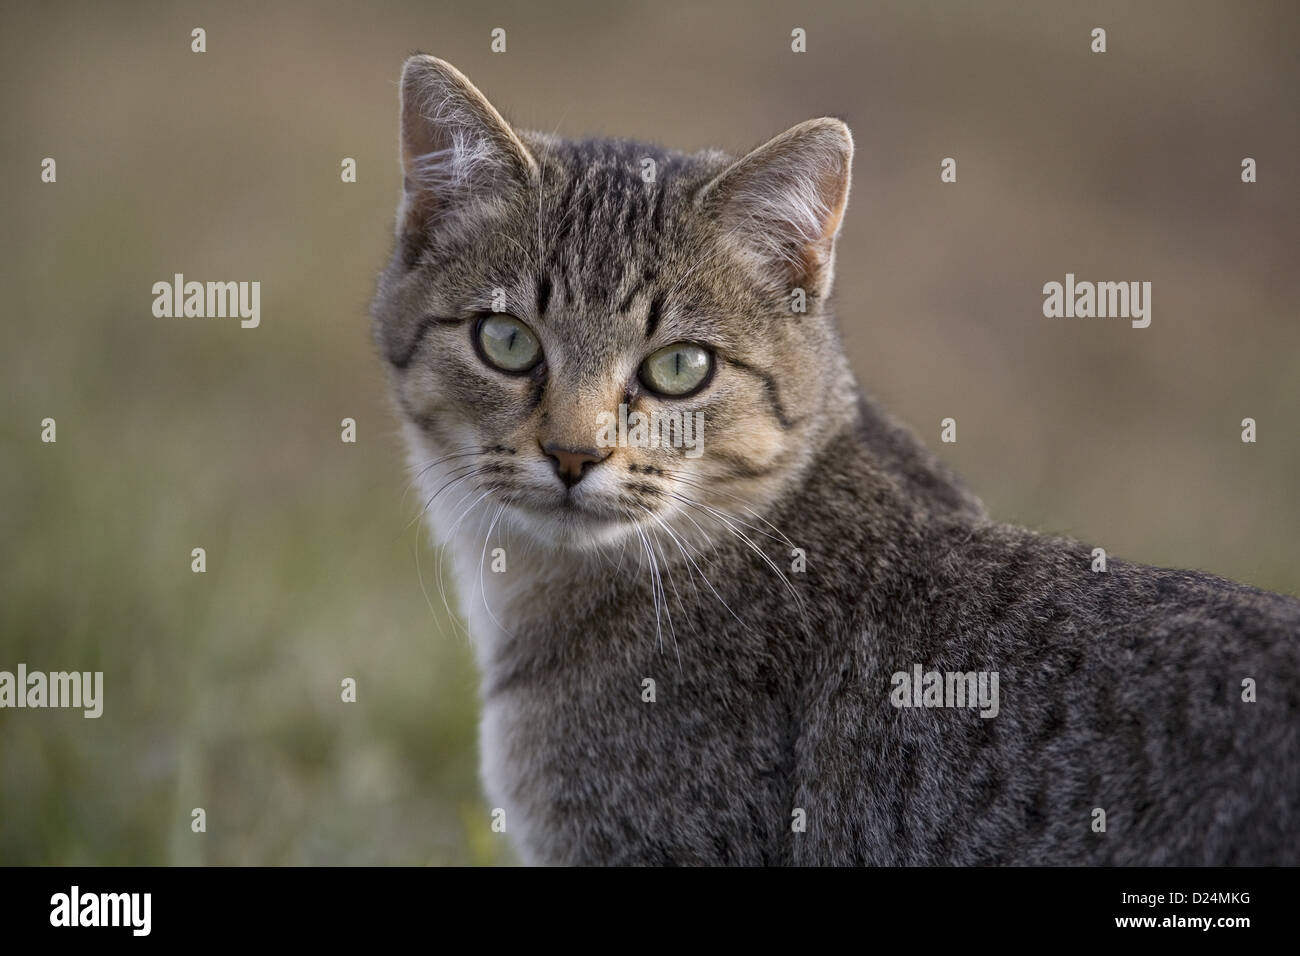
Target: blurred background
x,y
222,690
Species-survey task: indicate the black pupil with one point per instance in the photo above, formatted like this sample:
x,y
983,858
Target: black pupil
x,y
511,343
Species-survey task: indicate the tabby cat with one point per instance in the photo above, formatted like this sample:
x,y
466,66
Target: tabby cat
x,y
746,654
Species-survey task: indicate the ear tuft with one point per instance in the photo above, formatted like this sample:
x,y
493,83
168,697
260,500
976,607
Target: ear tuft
x,y
782,204
458,154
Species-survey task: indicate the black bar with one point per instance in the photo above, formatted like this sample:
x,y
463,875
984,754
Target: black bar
x,y
334,905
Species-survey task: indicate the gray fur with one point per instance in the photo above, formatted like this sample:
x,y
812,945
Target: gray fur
x,y
1120,690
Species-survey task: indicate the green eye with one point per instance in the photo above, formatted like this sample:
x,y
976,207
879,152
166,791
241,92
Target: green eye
x,y
506,343
677,370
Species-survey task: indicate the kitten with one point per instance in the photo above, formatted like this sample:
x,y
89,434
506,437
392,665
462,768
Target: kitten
x,y
712,659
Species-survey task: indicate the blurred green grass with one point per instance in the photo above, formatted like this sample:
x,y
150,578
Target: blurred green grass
x,y
222,689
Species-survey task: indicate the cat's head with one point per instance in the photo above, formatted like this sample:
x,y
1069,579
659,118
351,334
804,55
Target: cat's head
x,y
555,310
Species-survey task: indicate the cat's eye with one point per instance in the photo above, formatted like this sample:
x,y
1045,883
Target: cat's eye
x,y
507,344
677,370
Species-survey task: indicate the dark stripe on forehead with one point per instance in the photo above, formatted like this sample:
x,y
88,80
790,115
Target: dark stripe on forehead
x,y
661,180
653,316
648,274
584,203
543,294
564,212
769,389
627,299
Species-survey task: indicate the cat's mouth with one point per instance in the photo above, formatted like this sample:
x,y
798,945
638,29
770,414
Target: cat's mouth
x,y
569,509
574,521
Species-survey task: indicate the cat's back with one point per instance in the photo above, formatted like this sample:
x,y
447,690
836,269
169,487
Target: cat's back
x,y
1131,715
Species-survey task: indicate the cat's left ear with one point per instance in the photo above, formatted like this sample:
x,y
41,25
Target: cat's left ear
x,y
782,204
459,156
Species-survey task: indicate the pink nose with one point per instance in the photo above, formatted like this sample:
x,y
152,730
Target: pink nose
x,y
572,463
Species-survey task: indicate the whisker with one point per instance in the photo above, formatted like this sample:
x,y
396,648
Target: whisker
x,y
442,550
684,479
721,517
654,580
425,466
703,577
667,609
419,574
468,471
482,588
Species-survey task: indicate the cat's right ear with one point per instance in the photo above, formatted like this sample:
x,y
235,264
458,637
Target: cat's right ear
x,y
781,205
460,158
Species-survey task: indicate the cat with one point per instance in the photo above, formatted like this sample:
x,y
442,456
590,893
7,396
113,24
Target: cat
x,y
707,660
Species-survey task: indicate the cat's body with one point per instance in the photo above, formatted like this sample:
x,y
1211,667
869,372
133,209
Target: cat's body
x,y
772,590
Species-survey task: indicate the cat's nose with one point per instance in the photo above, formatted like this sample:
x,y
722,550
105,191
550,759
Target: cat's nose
x,y
572,463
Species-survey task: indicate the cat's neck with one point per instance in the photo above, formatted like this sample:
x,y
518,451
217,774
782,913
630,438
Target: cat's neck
x,y
896,450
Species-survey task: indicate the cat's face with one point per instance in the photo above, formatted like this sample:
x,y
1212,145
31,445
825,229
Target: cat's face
x,y
590,338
